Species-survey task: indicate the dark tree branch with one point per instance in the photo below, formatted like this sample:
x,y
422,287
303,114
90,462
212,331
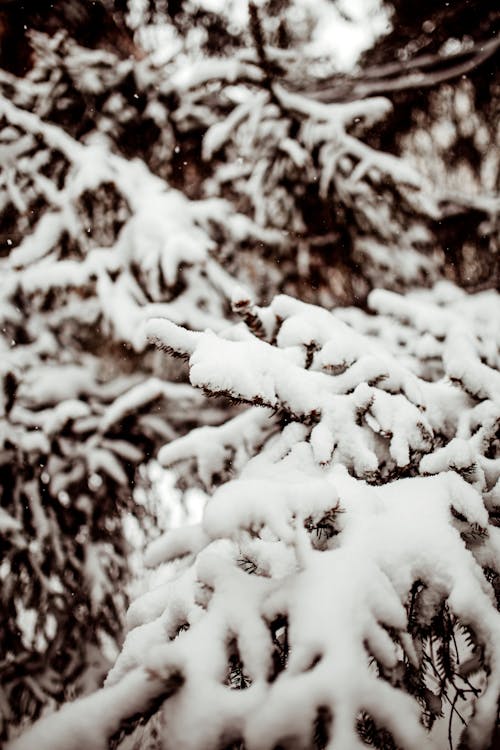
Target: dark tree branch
x,y
426,71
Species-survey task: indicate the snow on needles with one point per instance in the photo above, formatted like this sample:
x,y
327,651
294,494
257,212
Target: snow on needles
x,y
359,508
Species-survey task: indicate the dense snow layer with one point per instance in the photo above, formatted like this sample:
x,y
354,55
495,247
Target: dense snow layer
x,y
355,475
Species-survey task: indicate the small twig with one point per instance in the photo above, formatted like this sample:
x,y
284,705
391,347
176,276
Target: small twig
x,y
450,722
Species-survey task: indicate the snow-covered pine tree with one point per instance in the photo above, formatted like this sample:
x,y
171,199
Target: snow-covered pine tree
x,y
203,106
341,590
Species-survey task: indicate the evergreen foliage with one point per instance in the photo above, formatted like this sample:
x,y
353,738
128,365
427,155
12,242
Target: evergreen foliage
x,y
220,202
341,586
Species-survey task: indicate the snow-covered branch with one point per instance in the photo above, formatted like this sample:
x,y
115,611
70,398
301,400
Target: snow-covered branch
x,y
348,537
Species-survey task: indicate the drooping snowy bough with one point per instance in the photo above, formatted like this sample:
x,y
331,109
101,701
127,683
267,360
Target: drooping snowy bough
x,y
94,245
341,590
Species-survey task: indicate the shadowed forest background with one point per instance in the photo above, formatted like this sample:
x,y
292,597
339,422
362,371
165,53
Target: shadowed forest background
x,y
212,164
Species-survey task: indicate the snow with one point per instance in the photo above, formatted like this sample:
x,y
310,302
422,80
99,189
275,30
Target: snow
x,y
176,543
364,459
80,309
199,72
40,386
165,239
140,395
397,533
212,448
391,535
219,133
38,244
400,407
85,724
359,414
7,523
387,536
